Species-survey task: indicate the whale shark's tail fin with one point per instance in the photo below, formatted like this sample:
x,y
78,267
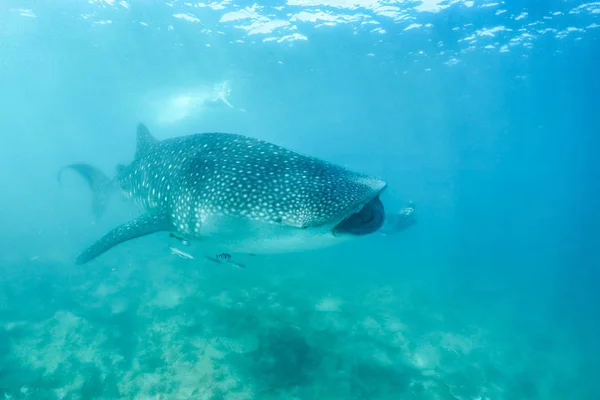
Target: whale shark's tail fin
x,y
100,184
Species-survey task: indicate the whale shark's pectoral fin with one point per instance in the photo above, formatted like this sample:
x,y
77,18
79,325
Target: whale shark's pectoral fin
x,y
141,226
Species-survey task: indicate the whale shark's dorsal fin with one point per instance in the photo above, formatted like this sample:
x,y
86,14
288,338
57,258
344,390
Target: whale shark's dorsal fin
x,y
143,225
144,141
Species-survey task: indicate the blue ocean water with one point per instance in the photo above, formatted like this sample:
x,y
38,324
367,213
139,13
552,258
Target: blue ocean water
x,y
484,114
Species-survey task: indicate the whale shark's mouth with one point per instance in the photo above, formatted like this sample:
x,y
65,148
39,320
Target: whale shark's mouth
x,y
363,222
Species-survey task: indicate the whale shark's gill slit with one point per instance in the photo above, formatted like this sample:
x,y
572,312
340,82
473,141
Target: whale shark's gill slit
x,y
143,225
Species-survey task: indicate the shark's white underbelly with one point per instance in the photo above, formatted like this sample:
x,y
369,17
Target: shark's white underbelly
x,y
237,235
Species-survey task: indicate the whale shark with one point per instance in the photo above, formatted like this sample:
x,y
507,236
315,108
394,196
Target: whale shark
x,y
235,193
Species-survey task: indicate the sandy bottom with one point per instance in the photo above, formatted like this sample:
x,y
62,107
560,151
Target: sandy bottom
x,y
173,329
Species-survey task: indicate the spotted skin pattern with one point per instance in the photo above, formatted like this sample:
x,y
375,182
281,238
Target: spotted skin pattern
x,y
227,174
194,185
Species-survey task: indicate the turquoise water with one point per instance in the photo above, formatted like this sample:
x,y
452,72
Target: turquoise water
x,y
484,114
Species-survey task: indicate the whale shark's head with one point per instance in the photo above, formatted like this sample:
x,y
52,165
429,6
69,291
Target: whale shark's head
x,y
357,209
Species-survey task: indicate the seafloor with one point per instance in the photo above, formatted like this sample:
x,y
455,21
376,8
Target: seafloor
x,y
167,328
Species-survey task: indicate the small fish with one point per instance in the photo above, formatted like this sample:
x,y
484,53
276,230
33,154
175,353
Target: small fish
x,y
181,253
223,256
182,240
